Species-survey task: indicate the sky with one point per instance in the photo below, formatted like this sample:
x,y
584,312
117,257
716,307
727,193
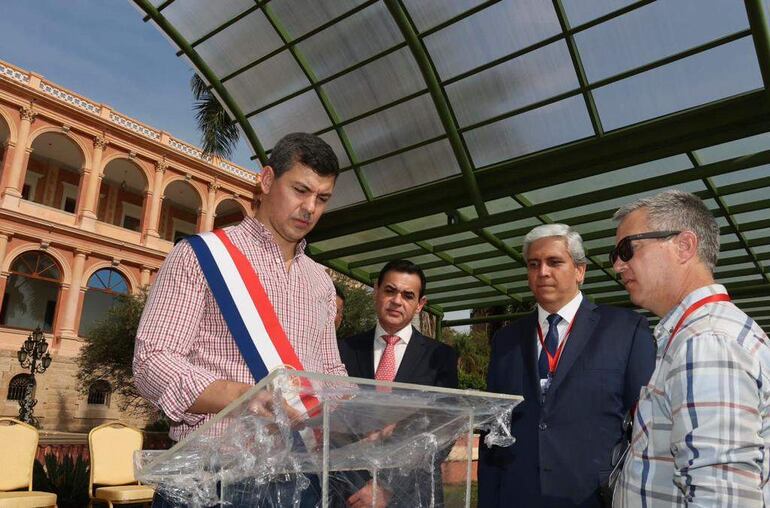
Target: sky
x,y
103,50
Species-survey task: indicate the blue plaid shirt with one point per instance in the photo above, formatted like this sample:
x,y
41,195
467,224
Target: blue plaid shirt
x,y
702,427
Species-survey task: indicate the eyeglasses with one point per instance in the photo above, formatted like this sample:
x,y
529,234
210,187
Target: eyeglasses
x,y
625,249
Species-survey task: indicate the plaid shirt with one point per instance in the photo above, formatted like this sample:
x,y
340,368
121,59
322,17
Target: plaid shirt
x,y
183,343
702,428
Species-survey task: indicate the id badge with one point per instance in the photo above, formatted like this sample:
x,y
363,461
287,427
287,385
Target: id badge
x,y
545,384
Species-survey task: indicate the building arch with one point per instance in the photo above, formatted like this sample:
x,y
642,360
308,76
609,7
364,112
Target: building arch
x,y
228,211
64,264
17,386
133,283
103,289
32,291
85,151
122,196
99,393
10,126
181,209
52,176
148,172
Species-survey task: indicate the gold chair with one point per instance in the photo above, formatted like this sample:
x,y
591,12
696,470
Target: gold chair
x,y
112,447
18,446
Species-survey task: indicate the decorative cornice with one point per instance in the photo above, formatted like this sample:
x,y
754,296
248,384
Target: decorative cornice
x,y
213,187
13,74
189,150
69,98
241,173
134,126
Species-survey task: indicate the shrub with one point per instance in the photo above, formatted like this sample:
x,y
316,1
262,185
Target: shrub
x,y
68,479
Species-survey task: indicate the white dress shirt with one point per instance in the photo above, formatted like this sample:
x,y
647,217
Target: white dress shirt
x,y
567,314
379,344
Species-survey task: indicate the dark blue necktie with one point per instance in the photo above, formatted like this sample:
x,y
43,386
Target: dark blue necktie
x,y
551,344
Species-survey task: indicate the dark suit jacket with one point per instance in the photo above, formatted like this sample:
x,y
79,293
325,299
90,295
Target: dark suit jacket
x,y
426,362
563,447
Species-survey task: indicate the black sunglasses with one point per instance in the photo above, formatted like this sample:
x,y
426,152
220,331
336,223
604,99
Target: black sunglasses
x,y
625,250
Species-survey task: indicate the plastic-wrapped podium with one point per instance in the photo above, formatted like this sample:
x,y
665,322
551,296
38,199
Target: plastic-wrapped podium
x,y
303,439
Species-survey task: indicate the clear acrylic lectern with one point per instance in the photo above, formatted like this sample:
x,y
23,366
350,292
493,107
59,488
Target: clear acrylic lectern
x,y
303,439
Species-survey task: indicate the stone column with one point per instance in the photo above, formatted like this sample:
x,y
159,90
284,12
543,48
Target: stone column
x,y
144,277
11,192
72,297
151,226
212,207
200,223
5,165
89,191
3,278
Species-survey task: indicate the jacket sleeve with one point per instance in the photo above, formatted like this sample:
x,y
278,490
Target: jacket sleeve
x,y
489,473
641,362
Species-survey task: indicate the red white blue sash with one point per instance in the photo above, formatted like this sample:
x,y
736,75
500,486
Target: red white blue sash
x,y
246,309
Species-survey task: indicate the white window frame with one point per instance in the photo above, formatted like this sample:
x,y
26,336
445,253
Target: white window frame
x,y
68,191
130,210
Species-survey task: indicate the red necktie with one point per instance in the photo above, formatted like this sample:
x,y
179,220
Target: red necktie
x,y
386,370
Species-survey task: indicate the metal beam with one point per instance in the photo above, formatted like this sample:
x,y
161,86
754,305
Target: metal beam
x,y
673,134
652,183
761,35
437,93
207,73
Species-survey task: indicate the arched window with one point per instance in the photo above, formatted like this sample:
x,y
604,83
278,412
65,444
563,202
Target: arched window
x,y
18,386
31,293
99,393
104,287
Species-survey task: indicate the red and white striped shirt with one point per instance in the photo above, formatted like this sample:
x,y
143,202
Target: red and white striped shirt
x,y
183,343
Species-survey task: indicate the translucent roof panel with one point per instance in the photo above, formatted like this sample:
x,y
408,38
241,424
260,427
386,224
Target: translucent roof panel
x,y
721,72
350,41
462,124
492,33
638,37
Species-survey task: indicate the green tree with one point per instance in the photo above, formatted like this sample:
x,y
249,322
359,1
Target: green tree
x,y
473,350
219,134
359,314
108,352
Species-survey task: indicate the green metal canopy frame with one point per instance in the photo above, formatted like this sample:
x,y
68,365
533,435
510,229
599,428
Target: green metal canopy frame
x,y
462,217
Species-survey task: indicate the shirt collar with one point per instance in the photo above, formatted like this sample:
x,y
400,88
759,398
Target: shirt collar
x,y
405,333
567,313
256,230
666,325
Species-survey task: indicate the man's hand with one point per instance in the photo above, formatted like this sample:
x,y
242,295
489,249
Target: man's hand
x,y
368,496
382,434
263,405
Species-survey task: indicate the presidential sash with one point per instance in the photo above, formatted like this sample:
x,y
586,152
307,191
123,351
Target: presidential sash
x,y
246,309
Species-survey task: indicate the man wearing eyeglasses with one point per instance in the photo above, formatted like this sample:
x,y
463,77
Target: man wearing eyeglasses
x,y
579,367
702,428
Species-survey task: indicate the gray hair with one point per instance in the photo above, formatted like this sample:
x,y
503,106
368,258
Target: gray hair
x,y
571,237
675,210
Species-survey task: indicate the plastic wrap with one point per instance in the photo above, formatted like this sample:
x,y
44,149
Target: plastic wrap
x,y
302,439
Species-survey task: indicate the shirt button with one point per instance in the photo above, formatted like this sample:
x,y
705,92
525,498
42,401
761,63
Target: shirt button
x,y
543,426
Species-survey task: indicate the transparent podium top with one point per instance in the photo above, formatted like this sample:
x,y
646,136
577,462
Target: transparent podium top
x,y
304,423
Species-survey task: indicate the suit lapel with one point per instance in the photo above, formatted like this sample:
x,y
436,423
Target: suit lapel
x,y
412,357
365,356
585,322
529,349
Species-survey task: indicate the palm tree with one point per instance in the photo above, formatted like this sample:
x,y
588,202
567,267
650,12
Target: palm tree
x,y
219,134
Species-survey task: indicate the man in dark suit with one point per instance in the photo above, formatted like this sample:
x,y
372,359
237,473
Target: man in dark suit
x,y
579,366
395,351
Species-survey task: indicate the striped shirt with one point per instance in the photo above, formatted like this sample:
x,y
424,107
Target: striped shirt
x,y
702,426
183,343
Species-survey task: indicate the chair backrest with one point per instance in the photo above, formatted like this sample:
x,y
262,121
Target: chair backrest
x,y
18,446
112,447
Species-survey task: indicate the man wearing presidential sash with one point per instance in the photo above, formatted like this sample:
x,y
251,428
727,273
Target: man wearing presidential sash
x,y
189,356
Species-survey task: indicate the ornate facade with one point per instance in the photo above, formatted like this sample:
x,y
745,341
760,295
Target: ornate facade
x,y
91,202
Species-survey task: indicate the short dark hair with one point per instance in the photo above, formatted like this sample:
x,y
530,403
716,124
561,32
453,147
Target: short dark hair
x,y
403,266
339,291
307,149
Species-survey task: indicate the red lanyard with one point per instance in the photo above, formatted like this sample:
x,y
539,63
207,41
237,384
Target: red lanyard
x,y
719,297
553,360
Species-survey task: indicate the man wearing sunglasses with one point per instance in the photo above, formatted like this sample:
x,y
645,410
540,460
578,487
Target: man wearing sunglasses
x,y
702,428
579,367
